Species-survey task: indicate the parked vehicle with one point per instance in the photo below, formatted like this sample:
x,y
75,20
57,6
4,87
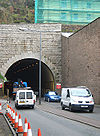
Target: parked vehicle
x,y
78,98
52,96
25,98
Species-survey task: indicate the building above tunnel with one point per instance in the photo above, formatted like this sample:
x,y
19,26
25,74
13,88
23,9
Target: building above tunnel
x,y
75,12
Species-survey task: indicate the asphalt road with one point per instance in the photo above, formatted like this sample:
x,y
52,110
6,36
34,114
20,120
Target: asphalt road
x,y
52,125
95,115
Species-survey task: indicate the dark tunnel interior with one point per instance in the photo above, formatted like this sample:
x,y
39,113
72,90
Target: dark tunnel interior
x,y
28,71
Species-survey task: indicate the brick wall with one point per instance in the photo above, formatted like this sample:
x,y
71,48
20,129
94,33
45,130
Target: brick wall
x,y
81,59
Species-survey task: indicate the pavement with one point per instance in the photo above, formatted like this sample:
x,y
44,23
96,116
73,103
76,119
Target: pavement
x,y
69,115
5,127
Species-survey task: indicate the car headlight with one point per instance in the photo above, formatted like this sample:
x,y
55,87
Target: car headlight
x,y
52,97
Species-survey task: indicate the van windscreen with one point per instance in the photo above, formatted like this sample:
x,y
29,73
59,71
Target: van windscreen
x,y
80,92
22,95
29,95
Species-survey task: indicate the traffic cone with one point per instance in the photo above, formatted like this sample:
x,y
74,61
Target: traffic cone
x,y
39,132
29,132
7,111
13,118
11,115
0,107
20,127
25,129
16,121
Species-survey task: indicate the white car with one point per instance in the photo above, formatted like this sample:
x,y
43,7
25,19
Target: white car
x,y
78,98
25,98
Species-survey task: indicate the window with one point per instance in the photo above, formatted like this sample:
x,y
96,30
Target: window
x,y
75,4
75,16
80,92
68,94
88,5
63,4
29,95
88,16
22,95
63,16
52,93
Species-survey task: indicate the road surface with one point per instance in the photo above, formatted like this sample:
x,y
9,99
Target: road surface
x,y
52,125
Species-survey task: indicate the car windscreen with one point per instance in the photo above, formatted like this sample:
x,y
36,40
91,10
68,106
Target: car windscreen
x,y
22,95
28,95
52,93
80,92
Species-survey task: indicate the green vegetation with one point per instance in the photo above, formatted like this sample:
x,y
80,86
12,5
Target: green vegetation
x,y
2,78
16,11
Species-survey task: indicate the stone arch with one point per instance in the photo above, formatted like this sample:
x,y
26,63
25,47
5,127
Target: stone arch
x,y
15,58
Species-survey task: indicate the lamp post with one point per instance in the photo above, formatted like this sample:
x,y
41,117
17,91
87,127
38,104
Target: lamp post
x,y
40,72
25,29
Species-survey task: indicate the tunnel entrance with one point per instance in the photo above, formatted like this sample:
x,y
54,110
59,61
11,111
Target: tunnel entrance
x,y
28,71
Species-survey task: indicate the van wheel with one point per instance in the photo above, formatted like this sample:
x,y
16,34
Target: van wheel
x,y
16,105
33,107
70,108
63,107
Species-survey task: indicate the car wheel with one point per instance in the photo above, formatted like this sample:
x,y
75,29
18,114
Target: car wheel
x,y
48,99
44,99
91,110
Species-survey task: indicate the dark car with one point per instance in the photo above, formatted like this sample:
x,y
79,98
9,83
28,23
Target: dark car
x,y
52,96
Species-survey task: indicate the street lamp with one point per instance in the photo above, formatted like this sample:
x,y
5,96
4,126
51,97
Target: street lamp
x,y
40,72
26,29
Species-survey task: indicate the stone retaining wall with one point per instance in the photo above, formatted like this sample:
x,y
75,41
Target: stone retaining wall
x,y
81,59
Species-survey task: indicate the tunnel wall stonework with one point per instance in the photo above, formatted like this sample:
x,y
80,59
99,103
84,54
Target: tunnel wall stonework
x,y
81,59
23,41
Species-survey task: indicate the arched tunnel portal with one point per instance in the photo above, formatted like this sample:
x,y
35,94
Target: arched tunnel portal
x,y
28,71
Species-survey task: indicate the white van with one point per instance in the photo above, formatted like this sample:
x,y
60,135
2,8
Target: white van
x,y
25,98
77,99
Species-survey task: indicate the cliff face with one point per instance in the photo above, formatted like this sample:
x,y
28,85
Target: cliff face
x,y
16,11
